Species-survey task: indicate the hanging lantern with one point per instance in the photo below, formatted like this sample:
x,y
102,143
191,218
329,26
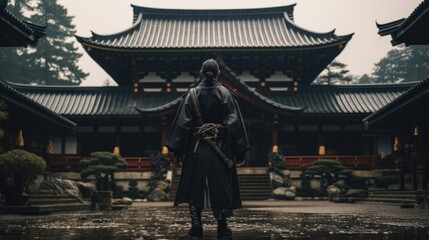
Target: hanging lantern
x,y
416,131
164,150
275,149
322,150
20,139
116,150
49,147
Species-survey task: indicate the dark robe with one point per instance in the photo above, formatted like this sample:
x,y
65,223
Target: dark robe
x,y
218,105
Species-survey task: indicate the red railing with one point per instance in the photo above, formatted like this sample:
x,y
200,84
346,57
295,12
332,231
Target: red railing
x,y
140,164
71,164
353,162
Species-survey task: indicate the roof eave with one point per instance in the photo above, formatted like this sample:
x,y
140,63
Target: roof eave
x,y
31,106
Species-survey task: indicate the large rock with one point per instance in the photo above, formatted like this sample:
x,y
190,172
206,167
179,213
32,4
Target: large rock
x,y
123,201
333,192
157,195
163,185
86,188
356,193
277,181
284,193
68,187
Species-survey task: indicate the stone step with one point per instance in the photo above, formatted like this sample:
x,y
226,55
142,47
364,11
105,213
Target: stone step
x,y
52,201
393,196
389,200
392,192
44,209
49,196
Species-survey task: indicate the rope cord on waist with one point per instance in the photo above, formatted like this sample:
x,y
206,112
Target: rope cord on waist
x,y
208,131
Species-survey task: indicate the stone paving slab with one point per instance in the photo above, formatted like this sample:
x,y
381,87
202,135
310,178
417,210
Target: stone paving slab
x,y
257,220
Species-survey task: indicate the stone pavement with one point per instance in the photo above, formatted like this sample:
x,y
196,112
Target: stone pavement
x,y
257,220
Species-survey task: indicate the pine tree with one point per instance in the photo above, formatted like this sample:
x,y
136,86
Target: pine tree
x,y
403,64
366,79
55,58
335,73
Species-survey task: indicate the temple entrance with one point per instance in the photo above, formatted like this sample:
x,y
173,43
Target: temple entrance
x,y
260,146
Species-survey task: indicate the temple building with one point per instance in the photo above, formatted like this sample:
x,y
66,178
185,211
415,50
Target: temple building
x,y
266,59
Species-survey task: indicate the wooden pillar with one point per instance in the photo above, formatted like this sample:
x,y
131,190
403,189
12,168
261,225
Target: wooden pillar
x,y
274,135
163,131
320,139
402,165
413,171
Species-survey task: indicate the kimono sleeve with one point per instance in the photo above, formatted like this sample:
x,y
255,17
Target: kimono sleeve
x,y
181,129
234,124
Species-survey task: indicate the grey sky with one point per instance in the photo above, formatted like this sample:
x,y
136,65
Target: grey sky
x,y
346,16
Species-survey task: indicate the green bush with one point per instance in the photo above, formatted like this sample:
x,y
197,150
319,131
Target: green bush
x,y
329,171
18,169
103,165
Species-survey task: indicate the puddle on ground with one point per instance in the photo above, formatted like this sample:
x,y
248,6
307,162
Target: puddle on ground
x,y
173,223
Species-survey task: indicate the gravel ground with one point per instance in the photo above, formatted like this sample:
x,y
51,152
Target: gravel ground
x,y
257,220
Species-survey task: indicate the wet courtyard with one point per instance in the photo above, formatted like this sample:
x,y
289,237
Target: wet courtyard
x,y
257,220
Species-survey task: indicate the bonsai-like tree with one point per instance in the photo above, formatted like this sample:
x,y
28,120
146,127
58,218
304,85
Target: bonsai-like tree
x,y
330,171
103,165
18,169
160,164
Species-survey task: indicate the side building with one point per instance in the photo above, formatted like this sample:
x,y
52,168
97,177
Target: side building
x,y
17,109
407,117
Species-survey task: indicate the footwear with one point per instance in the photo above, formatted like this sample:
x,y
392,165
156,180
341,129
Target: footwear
x,y
223,231
196,224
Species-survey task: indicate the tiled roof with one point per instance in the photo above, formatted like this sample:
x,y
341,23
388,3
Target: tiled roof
x,y
411,30
95,101
413,94
350,99
12,96
120,101
207,29
14,32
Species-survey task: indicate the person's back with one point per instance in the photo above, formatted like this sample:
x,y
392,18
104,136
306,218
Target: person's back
x,y
204,143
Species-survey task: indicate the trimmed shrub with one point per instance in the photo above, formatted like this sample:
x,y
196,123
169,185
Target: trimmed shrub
x,y
329,171
103,165
18,169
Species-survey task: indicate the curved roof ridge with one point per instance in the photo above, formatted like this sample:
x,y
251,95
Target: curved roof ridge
x,y
330,33
160,110
256,94
389,27
249,11
36,106
361,86
59,87
136,24
418,10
